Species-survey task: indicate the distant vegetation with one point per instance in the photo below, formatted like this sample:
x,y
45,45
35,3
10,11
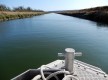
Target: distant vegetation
x,y
7,13
98,14
20,8
4,8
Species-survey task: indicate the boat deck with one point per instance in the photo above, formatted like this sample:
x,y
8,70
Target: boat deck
x,y
88,72
82,70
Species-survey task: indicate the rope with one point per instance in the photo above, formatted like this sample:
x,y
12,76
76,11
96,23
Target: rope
x,y
71,77
56,73
42,74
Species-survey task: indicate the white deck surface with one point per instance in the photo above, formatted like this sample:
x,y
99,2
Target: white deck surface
x,y
82,70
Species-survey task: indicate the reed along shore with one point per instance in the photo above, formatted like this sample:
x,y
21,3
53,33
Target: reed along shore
x,y
11,15
98,14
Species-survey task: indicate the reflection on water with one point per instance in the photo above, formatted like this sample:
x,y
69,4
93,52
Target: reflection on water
x,y
31,42
102,25
3,29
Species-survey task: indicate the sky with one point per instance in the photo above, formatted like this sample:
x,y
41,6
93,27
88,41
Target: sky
x,y
52,5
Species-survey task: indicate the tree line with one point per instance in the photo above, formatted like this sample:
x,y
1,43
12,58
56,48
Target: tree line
x,y
20,9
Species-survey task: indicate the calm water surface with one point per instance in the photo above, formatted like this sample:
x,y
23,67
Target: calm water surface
x,y
31,42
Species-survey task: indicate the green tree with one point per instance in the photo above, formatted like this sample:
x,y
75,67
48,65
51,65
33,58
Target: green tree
x,y
4,8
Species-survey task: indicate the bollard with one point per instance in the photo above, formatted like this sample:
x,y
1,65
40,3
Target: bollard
x,y
69,59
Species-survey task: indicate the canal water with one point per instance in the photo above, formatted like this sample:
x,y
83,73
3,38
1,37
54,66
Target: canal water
x,y
32,42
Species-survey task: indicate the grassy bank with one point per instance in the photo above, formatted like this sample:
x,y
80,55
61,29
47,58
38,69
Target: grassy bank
x,y
10,15
98,14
